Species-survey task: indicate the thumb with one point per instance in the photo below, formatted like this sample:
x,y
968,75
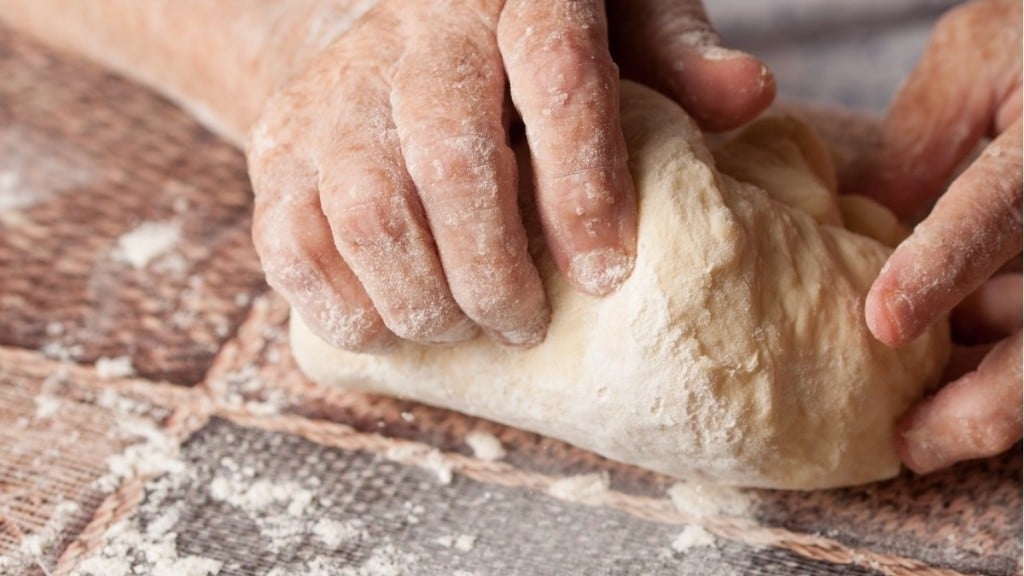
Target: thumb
x,y
966,86
670,45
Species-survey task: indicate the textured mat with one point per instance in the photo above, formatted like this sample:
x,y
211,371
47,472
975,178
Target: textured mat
x,y
153,422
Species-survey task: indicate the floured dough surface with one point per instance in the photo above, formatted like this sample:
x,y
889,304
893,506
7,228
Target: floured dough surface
x,y
737,350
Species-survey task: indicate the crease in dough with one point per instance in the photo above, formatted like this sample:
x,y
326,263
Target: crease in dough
x,y
736,352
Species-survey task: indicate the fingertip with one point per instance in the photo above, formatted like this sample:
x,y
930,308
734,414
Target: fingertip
x,y
528,336
913,443
602,271
722,88
365,338
878,313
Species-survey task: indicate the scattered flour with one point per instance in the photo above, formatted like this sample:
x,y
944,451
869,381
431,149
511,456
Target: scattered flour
x,y
46,406
147,241
155,454
333,533
586,488
692,537
434,460
276,507
465,542
31,552
131,550
119,367
35,167
128,552
257,496
700,500
485,445
111,400
11,196
462,542
385,560
440,466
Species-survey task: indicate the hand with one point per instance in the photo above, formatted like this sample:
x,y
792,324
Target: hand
x,y
966,87
386,189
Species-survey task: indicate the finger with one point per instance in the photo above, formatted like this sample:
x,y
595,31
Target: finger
x,y
977,416
971,232
294,244
565,86
669,44
991,312
377,222
942,112
448,99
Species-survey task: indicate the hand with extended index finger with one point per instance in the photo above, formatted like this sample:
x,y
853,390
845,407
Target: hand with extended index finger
x,y
385,185
967,86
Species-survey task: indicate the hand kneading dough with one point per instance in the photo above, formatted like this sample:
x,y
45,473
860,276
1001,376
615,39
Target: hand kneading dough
x,y
736,352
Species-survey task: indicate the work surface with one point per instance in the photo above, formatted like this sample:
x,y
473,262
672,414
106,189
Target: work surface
x,y
152,418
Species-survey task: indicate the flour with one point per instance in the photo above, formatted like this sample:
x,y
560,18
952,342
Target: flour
x,y
700,500
35,167
155,454
333,533
385,560
278,508
441,467
461,543
32,549
586,488
119,367
692,537
128,552
46,406
147,241
465,542
430,458
257,496
485,445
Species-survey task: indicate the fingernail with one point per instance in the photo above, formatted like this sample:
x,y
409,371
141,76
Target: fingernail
x,y
884,323
714,53
599,272
526,337
897,309
916,447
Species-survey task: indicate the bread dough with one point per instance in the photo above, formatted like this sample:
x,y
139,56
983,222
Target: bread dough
x,y
737,352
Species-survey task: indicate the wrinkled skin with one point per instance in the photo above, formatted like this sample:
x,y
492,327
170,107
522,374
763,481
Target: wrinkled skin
x,y
966,88
386,189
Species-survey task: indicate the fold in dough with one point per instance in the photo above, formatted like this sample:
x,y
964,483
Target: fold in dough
x,y
736,352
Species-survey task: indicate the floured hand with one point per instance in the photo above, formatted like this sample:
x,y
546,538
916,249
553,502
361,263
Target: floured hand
x,y
967,86
385,187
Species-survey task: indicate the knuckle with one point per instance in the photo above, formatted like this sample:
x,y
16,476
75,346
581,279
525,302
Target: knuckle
x,y
591,193
567,70
364,209
967,22
288,255
475,159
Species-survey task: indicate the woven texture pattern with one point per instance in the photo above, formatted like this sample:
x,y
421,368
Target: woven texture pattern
x,y
152,420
